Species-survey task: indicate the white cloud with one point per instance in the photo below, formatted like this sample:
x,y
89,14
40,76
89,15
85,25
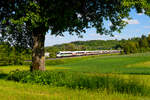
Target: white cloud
x,y
94,35
132,21
147,27
140,14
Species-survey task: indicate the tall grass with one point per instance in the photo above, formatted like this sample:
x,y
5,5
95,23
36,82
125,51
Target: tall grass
x,y
10,90
80,81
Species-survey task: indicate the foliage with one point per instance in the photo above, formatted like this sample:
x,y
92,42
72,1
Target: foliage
x,y
148,39
130,47
53,51
4,54
27,17
80,81
10,55
135,45
22,18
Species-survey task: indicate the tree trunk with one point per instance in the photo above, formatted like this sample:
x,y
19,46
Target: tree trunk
x,y
38,57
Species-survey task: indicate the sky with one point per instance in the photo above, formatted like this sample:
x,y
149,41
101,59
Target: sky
x,y
137,26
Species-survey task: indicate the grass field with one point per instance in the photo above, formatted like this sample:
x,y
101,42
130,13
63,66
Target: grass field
x,y
135,67
132,64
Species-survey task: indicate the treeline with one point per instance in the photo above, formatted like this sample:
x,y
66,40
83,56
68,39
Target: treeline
x,y
10,55
135,45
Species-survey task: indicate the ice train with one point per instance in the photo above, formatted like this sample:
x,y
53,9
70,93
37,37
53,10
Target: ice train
x,y
85,53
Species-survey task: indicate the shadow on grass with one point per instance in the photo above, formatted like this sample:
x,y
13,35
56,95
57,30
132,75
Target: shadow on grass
x,y
138,73
3,76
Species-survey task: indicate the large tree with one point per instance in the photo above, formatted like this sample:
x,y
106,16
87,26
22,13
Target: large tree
x,y
25,22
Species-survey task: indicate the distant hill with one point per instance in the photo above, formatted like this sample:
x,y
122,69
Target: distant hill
x,y
87,45
98,44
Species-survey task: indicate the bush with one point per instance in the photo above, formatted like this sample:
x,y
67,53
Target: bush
x,y
79,80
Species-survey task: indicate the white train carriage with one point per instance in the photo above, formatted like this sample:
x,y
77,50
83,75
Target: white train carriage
x,y
80,53
84,53
65,54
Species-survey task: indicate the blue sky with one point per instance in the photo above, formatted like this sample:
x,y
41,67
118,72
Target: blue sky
x,y
138,25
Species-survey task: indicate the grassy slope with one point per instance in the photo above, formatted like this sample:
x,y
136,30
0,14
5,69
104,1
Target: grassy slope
x,y
137,63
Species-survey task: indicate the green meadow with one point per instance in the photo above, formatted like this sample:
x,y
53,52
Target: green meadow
x,y
128,75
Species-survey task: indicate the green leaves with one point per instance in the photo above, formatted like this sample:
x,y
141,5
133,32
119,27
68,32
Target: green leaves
x,y
140,5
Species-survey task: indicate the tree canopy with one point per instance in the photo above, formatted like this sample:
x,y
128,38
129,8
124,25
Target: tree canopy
x,y
21,17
